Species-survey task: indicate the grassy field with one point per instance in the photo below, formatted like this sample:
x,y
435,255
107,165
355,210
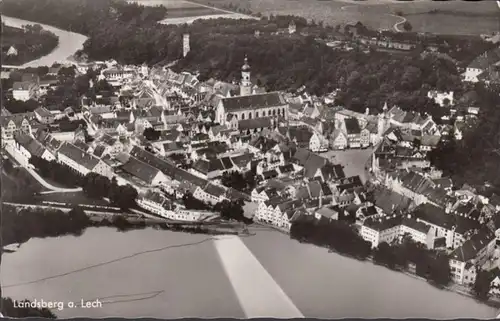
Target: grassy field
x,y
192,12
169,4
447,17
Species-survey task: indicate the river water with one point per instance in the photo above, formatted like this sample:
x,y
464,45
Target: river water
x,y
171,275
69,43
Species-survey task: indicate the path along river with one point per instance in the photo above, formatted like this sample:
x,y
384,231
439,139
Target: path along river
x,y
170,275
69,43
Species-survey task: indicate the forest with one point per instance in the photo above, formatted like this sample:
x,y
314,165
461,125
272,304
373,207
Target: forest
x,y
31,43
474,159
130,34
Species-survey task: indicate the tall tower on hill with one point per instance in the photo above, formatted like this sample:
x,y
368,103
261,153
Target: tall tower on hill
x,y
246,84
185,44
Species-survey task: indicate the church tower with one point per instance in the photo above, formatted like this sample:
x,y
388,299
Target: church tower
x,y
185,44
246,84
383,121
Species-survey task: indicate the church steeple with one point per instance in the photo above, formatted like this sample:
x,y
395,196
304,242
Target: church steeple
x,y
246,84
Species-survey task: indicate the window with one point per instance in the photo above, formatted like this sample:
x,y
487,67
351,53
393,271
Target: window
x,y
250,115
256,114
242,116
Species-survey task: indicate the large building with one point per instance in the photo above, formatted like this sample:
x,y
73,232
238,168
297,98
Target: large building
x,y
250,106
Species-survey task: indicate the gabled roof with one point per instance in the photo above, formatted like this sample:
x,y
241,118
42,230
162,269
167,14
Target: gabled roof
x,y
301,135
310,161
391,202
79,156
266,100
352,126
139,169
246,124
34,147
242,160
471,247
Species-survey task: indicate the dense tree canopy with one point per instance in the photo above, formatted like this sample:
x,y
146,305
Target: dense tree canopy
x,y
474,159
93,184
336,235
30,43
129,33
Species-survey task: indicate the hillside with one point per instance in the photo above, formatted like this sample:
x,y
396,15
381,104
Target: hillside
x,y
475,159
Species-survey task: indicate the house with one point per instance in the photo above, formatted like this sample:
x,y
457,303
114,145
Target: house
x,y
327,212
338,140
388,202
12,124
452,229
212,168
24,90
495,285
481,64
144,172
242,162
353,132
210,193
392,228
81,161
155,202
112,144
443,99
43,115
475,251
27,146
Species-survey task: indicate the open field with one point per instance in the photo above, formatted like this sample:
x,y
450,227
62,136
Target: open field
x,y
180,11
191,12
169,4
449,17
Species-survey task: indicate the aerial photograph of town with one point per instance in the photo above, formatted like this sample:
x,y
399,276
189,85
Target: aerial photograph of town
x,y
250,158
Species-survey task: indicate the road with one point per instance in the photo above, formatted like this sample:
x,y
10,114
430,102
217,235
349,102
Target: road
x,y
24,163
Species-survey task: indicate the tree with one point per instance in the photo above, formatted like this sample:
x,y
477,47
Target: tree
x,y
407,26
384,254
151,134
482,285
439,269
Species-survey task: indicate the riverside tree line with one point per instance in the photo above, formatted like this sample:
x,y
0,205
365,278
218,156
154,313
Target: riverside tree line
x,y
94,185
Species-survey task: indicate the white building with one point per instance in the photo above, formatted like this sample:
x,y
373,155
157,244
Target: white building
x,y
24,90
81,161
27,147
475,251
441,98
389,229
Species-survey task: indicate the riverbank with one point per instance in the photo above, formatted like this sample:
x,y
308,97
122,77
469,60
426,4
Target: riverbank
x,y
451,287
20,46
69,43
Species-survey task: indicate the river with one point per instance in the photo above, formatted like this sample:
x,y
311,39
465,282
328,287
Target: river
x,y
151,273
69,43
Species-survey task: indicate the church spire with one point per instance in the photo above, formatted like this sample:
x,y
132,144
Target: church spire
x,y
246,66
246,84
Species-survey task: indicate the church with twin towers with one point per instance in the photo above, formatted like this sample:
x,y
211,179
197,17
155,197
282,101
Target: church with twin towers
x,y
249,108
